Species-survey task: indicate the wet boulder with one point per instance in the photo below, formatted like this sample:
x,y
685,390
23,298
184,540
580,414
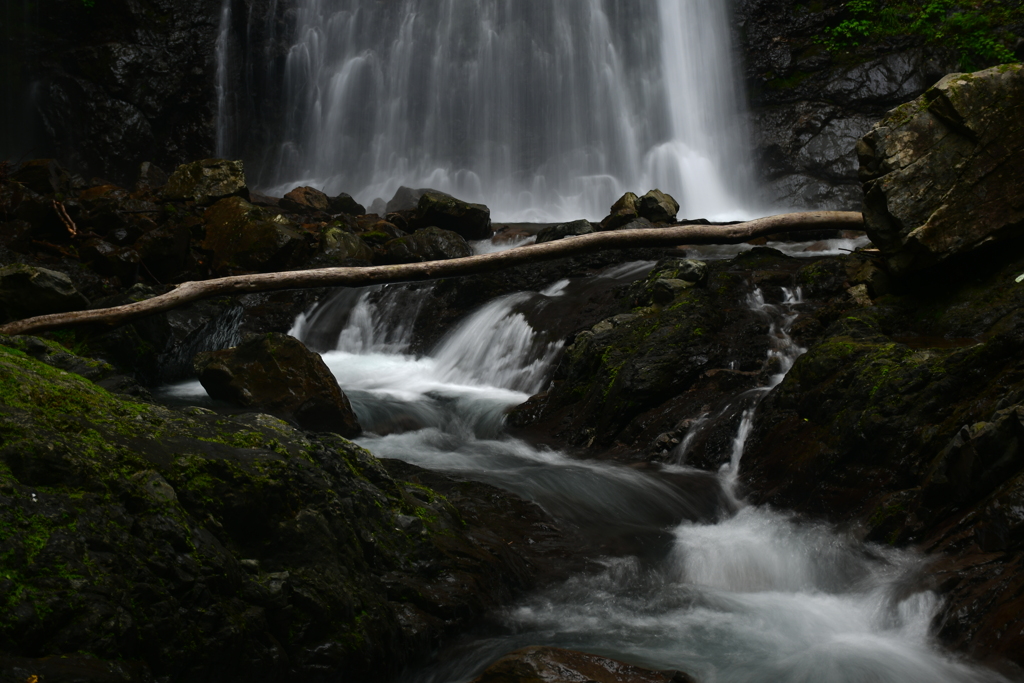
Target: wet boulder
x,y
278,374
556,665
472,221
657,207
165,250
44,176
429,244
380,232
622,212
111,260
344,203
304,200
557,232
942,174
27,291
339,244
405,199
207,181
151,177
242,236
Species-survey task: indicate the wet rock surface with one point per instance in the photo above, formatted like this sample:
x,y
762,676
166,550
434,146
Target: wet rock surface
x,y
278,374
942,173
555,665
186,545
809,105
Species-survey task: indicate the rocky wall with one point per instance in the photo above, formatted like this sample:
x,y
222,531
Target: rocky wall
x,y
809,105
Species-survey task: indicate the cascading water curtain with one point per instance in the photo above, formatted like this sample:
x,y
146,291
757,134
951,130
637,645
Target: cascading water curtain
x,y
542,109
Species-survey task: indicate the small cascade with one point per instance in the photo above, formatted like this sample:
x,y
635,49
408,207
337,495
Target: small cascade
x,y
692,580
497,346
782,354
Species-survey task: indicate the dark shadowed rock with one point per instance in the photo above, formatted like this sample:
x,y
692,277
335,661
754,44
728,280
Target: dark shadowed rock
x,y
623,211
204,182
151,177
556,665
185,544
472,221
164,251
278,374
109,259
337,243
557,232
304,199
405,199
429,244
657,207
27,291
344,203
942,173
44,176
247,237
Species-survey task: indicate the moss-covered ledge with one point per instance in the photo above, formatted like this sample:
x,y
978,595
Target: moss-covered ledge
x,y
144,541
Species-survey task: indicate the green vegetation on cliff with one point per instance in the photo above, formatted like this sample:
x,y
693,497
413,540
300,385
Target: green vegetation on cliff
x,y
975,29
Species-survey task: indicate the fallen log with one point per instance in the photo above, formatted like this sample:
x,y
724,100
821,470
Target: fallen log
x,y
188,292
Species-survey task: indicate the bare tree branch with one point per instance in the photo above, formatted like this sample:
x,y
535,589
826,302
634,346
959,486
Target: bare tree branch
x,y
360,277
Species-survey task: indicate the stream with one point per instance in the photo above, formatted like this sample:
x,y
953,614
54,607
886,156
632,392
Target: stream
x,y
689,577
700,582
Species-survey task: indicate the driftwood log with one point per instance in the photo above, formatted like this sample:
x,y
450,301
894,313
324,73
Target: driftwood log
x,y
372,275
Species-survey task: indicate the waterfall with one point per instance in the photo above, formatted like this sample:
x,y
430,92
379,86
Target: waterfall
x,y
543,110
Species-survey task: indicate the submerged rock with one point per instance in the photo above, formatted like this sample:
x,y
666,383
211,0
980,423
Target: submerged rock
x,y
204,182
556,665
942,173
278,374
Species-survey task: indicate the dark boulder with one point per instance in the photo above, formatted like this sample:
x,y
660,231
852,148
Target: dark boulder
x,y
110,260
557,232
337,243
278,374
151,178
405,199
188,545
165,251
344,203
242,236
657,207
304,200
556,665
44,176
27,291
942,174
472,221
623,211
429,244
204,182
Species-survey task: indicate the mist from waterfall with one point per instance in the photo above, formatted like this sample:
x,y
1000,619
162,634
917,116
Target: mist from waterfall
x,y
544,110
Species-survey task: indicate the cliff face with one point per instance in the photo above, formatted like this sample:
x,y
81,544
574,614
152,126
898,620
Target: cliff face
x,y
106,86
809,104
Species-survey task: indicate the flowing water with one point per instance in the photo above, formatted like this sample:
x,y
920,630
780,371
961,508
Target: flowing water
x,y
691,578
544,110
703,582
